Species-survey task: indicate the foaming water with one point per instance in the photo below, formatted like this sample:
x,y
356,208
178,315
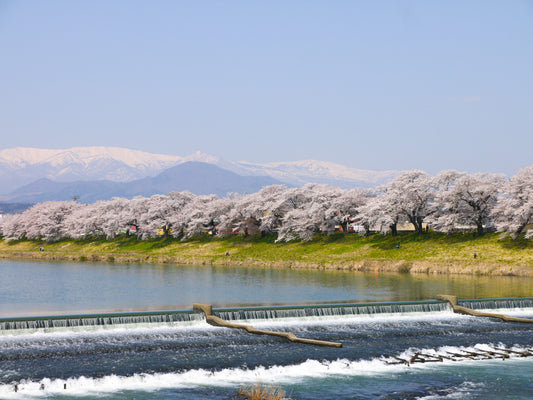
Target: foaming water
x,y
169,362
285,375
193,360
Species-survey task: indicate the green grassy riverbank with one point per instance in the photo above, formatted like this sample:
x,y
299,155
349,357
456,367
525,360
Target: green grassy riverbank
x,y
428,253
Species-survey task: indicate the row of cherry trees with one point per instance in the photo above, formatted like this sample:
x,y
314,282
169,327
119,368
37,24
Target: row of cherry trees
x,y
451,201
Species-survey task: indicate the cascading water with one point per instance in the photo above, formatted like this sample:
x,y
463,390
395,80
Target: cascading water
x,y
498,304
331,310
193,361
88,320
257,313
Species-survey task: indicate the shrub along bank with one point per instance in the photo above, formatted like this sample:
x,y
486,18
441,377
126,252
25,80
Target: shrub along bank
x,y
432,252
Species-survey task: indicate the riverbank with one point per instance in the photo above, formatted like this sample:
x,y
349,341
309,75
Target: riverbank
x,y
431,253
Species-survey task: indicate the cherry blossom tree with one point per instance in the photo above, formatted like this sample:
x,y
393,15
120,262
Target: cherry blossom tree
x,y
10,226
311,213
345,204
381,212
410,196
160,212
204,214
301,223
466,200
244,217
44,221
111,217
514,210
273,203
442,220
85,221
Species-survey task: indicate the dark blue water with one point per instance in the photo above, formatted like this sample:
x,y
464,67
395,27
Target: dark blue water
x,y
197,361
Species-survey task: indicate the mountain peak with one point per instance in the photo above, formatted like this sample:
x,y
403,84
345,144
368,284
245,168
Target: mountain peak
x,y
203,157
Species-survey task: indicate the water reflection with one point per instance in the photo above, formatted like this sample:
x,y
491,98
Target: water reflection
x,y
32,288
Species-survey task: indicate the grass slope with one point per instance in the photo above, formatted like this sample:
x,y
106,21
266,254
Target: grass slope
x,y
428,253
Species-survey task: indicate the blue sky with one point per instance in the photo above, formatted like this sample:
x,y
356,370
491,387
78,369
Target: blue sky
x,y
370,84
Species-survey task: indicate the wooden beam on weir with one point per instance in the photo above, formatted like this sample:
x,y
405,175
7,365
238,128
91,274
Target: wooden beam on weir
x,y
211,319
468,311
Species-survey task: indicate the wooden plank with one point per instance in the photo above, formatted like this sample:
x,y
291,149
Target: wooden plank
x,y
495,354
461,355
401,360
217,321
431,358
520,353
485,356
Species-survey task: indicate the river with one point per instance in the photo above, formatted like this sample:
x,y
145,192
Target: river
x,y
41,288
193,360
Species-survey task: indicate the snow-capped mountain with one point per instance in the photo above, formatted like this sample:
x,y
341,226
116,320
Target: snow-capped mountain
x,y
302,172
21,166
113,163
299,173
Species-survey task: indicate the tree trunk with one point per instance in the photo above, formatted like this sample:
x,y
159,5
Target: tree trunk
x,y
417,223
179,233
519,230
344,226
480,229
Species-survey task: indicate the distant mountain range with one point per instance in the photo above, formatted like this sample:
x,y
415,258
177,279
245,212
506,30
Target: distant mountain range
x,y
196,177
94,173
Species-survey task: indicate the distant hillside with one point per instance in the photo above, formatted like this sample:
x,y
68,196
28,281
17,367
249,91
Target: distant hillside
x,y
199,178
14,208
196,177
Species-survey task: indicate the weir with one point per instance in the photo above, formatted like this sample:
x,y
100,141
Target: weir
x,y
107,319
511,303
331,310
257,313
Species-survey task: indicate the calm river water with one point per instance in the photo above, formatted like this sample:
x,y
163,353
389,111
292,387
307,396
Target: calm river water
x,y
196,361
34,288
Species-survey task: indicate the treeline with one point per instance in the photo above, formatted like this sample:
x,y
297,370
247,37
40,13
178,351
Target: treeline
x,y
449,202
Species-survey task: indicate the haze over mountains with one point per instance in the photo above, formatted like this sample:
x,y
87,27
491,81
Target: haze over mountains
x,y
98,173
